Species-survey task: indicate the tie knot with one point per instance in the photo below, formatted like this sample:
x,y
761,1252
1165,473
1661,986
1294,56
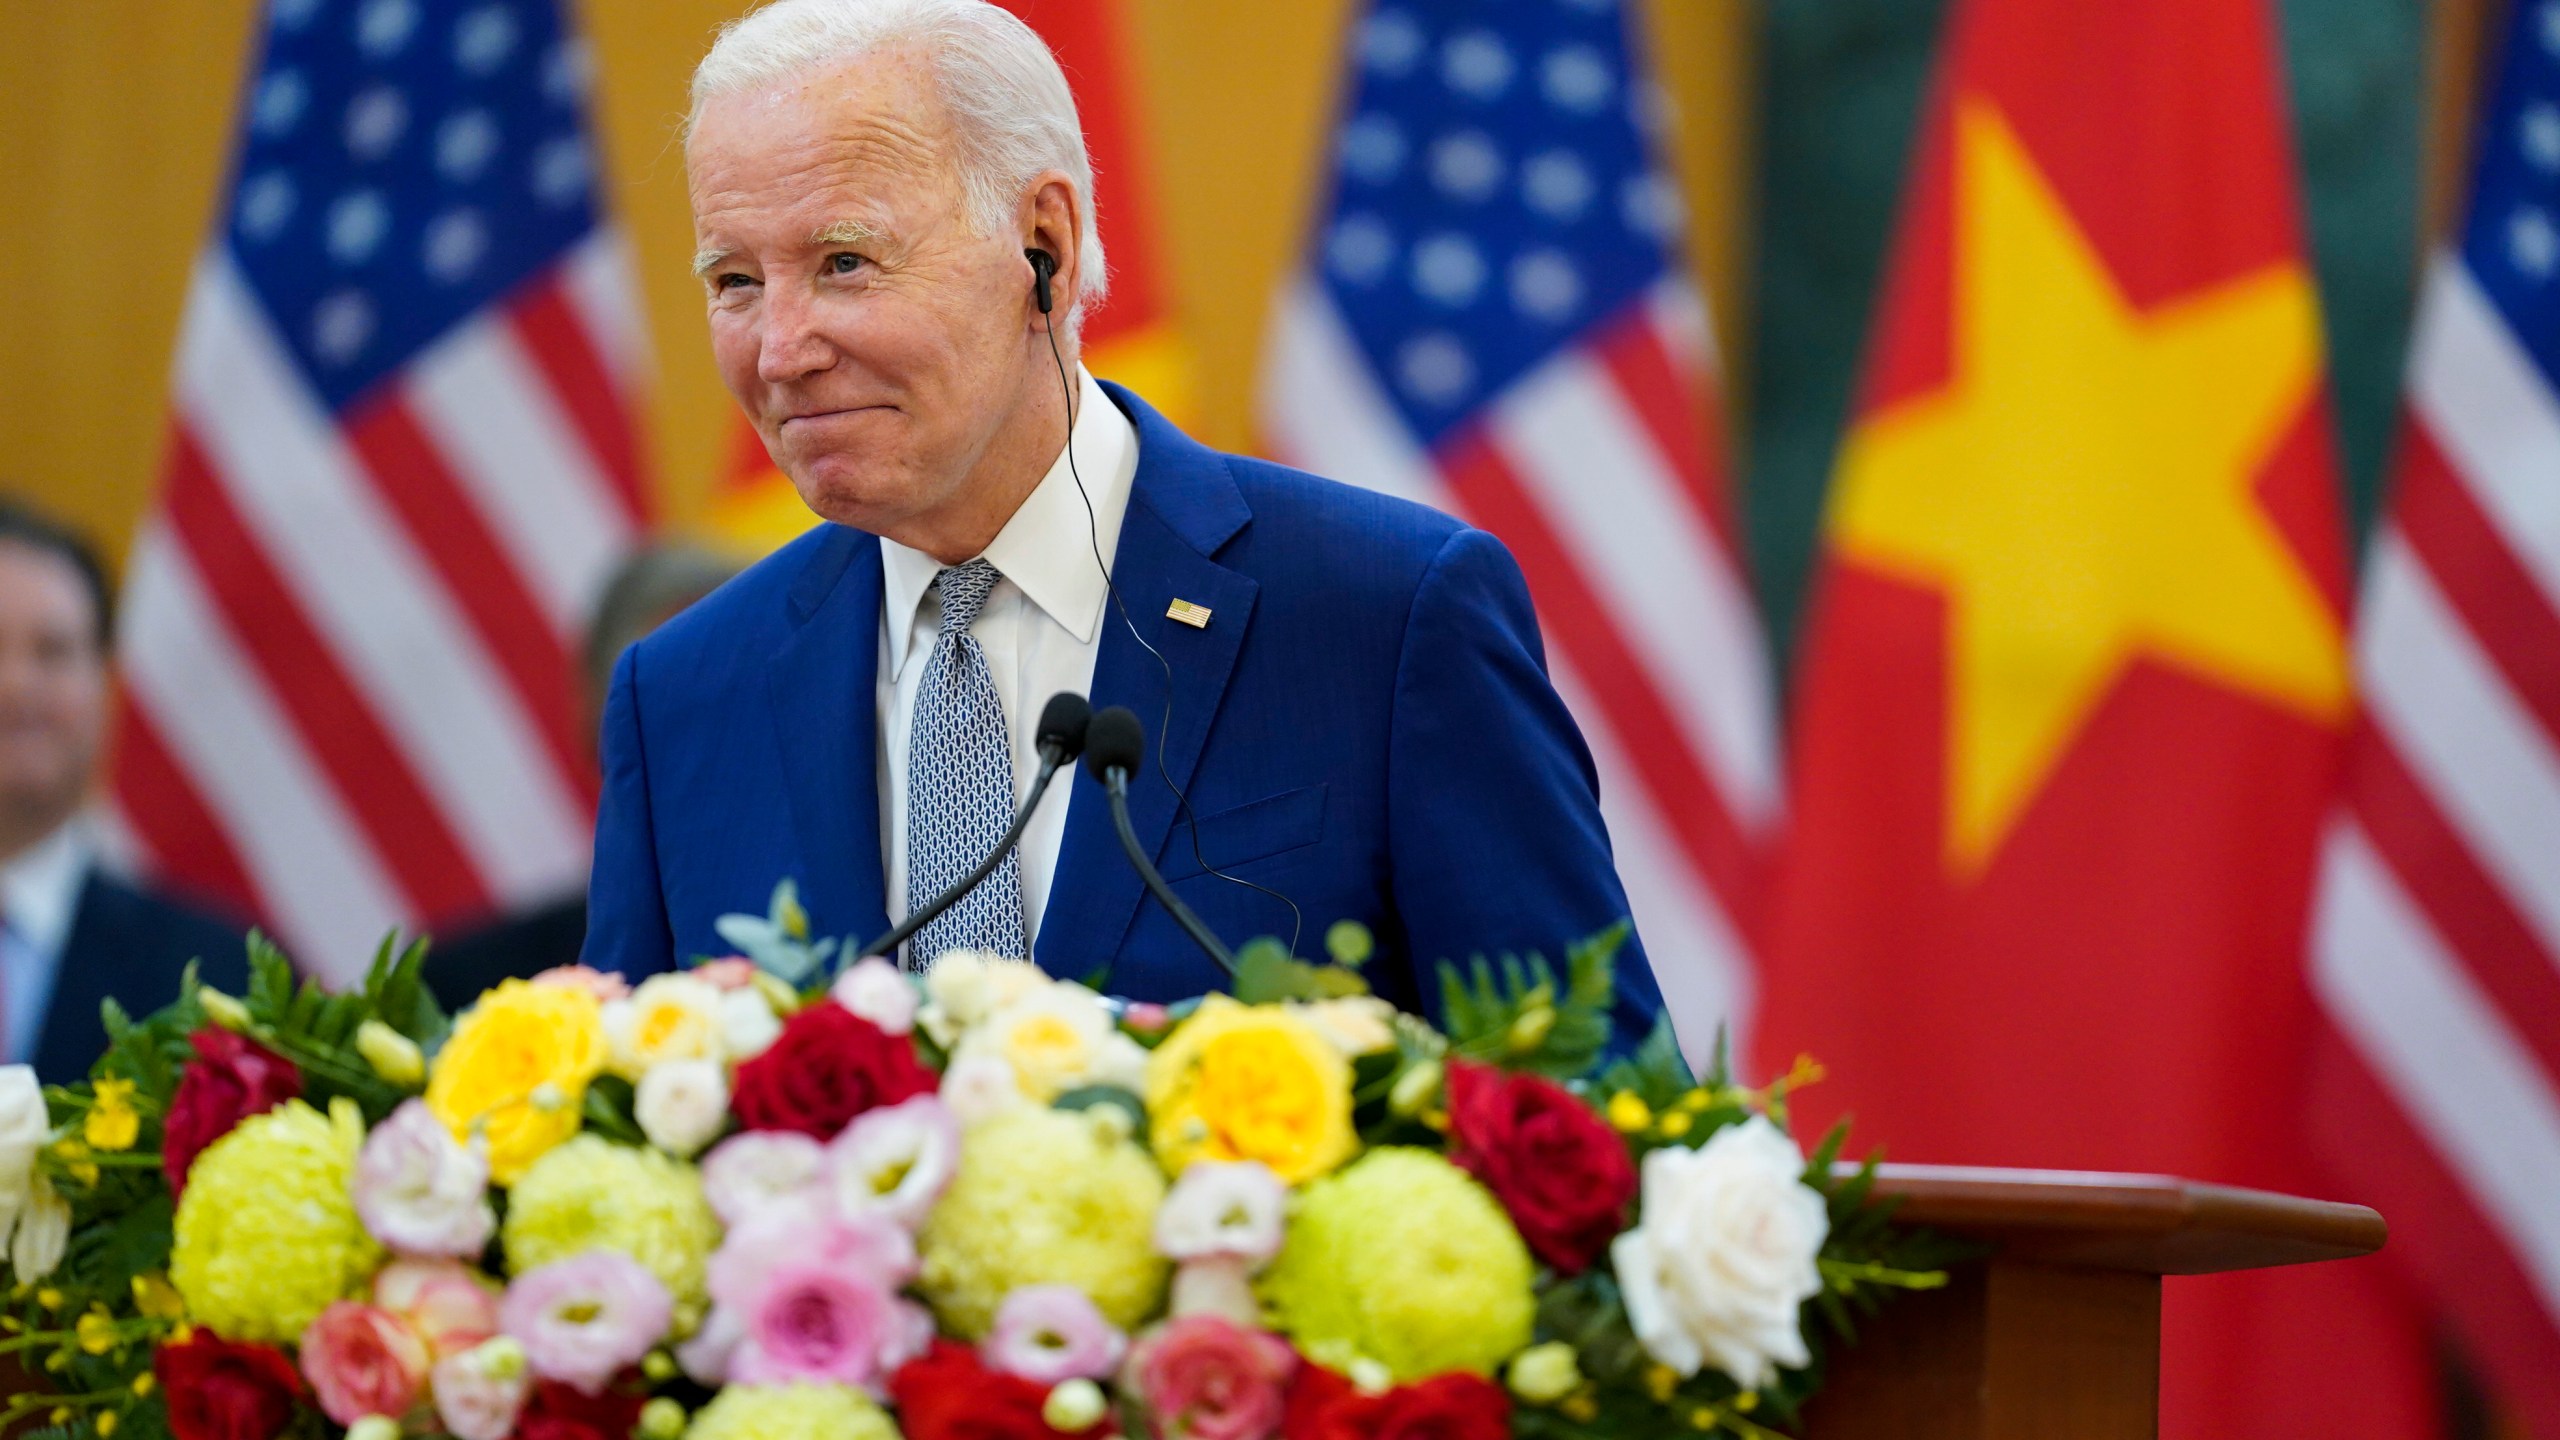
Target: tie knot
x,y
964,594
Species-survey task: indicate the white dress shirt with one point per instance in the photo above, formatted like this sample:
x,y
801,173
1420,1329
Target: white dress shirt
x,y
1041,628
39,900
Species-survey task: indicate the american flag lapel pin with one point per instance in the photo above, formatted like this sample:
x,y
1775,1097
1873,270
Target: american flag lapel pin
x,y
1195,616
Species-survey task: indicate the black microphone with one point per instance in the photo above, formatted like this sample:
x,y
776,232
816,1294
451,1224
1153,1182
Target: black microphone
x,y
1061,736
1113,747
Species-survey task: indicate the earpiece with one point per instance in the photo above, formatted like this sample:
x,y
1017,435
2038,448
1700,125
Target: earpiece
x,y
1044,266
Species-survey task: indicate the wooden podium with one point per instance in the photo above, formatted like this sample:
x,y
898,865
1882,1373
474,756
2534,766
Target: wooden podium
x,y
2056,1335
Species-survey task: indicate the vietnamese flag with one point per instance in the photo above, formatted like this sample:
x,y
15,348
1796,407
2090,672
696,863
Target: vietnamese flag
x,y
1132,338
2074,680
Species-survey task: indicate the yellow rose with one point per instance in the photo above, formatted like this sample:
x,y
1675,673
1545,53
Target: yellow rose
x,y
1238,1082
516,1068
670,1017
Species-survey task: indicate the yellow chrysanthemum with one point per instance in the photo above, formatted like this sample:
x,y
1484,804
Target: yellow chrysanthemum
x,y
1045,1197
517,1067
1250,1082
1405,1261
591,1194
266,1234
791,1412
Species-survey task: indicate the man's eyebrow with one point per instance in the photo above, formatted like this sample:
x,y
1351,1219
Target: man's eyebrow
x,y
703,260
843,232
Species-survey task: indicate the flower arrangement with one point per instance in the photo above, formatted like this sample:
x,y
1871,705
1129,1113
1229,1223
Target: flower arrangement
x,y
774,1198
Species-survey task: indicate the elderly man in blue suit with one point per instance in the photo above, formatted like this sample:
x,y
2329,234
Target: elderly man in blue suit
x,y
893,205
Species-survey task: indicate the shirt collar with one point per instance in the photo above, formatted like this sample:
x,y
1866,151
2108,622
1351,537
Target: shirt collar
x,y
40,890
1047,548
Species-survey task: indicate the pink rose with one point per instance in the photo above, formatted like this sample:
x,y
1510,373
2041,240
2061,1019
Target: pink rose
x,y
823,1324
602,984
735,972
582,1319
363,1361
1207,1378
447,1304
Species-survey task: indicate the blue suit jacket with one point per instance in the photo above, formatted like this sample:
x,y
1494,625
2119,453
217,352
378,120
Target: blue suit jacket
x,y
131,944
1365,725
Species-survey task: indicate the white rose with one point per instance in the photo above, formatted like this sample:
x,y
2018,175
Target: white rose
x,y
966,986
24,1128
1356,1024
682,1105
44,1232
878,992
1058,1037
670,1017
1725,1256
748,1026
980,1088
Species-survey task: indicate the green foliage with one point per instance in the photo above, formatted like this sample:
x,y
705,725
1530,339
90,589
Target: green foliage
x,y
778,941
1515,1014
1349,943
315,1028
1267,974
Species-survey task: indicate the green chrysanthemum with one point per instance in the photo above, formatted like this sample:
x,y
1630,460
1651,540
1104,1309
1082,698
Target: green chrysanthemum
x,y
266,1234
1403,1260
791,1412
592,1194
1045,1197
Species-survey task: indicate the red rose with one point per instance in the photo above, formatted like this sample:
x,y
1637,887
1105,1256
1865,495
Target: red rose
x,y
827,1066
949,1394
1553,1163
564,1412
1324,1406
219,1390
231,1078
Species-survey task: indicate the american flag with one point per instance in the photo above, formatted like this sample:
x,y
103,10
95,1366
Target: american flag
x,y
401,460
1494,320
2436,942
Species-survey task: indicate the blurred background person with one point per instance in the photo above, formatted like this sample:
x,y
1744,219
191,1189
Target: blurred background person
x,y
645,592
72,933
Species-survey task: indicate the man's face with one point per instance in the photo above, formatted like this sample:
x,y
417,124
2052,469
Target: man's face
x,y
53,682
875,341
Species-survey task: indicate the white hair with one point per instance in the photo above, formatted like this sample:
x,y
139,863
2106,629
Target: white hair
x,y
1009,102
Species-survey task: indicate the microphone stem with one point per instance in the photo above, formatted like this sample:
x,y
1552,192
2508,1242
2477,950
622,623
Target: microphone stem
x,y
1117,784
916,920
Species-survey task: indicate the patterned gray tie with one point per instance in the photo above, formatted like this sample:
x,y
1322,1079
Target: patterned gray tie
x,y
960,784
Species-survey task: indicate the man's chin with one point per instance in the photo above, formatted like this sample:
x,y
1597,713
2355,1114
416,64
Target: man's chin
x,y
864,496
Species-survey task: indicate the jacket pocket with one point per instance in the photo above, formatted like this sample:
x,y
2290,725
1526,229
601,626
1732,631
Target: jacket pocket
x,y
1242,834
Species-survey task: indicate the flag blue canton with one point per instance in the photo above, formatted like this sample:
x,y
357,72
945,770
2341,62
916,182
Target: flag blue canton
x,y
1493,194
403,164
2512,240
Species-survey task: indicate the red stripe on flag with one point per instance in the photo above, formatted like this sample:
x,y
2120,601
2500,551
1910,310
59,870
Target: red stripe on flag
x,y
1678,412
560,344
190,848
446,524
2466,907
2438,1233
1649,735
2469,559
369,770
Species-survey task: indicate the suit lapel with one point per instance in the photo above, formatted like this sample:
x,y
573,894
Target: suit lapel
x,y
1183,507
824,683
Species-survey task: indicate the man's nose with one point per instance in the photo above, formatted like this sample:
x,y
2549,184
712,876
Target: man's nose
x,y
791,346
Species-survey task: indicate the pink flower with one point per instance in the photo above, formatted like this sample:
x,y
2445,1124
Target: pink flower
x,y
480,1391
820,1323
733,972
756,1169
419,1190
896,1160
447,1304
602,984
869,1246
1146,1017
706,1356
1050,1333
1207,1378
583,1318
362,1361
878,992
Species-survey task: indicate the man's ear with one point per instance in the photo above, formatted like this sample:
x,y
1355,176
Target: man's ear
x,y
1050,225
